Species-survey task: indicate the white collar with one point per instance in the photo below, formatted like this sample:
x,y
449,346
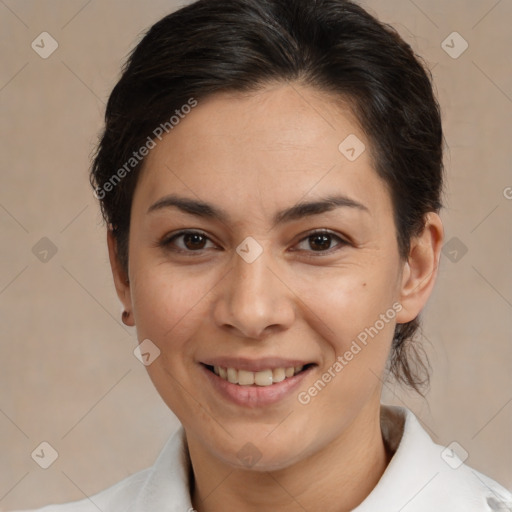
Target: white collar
x,y
417,479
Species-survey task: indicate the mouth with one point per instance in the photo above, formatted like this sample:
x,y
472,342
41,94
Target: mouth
x,y
255,384
266,377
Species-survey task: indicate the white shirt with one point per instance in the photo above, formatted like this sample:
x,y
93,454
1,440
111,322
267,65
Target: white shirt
x,y
421,477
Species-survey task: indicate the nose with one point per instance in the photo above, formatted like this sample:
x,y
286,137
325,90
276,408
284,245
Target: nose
x,y
253,299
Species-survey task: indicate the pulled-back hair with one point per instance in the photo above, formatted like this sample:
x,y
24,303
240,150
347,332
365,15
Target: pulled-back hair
x,y
334,46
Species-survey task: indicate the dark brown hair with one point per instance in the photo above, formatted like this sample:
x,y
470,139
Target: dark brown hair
x,y
241,45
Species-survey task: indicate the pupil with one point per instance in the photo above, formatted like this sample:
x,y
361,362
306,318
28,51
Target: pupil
x,y
324,242
193,240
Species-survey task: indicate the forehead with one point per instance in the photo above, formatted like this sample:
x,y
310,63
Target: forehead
x,y
273,146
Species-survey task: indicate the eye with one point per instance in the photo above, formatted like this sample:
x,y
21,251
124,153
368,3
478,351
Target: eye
x,y
321,242
196,241
186,241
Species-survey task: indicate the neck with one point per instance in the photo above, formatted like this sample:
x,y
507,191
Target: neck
x,y
335,479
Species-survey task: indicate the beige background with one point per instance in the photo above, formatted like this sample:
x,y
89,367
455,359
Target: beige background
x,y
68,375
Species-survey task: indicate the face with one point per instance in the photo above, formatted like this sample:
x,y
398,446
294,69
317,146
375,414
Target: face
x,y
262,255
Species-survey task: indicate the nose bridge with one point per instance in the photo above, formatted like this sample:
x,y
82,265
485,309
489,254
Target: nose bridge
x,y
253,298
252,279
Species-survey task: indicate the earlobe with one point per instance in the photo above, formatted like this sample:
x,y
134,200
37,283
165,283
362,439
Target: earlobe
x,y
420,270
120,276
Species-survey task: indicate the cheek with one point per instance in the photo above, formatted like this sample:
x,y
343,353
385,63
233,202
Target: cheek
x,y
167,305
352,310
349,300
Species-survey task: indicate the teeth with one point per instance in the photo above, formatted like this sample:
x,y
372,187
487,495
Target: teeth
x,y
262,378
245,378
278,374
232,376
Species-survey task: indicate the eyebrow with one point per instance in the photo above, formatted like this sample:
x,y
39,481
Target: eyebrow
x,y
296,212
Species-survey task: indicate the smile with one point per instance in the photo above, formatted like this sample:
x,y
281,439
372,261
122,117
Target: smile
x,y
260,378
268,384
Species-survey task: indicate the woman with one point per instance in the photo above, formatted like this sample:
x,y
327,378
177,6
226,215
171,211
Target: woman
x,y
271,175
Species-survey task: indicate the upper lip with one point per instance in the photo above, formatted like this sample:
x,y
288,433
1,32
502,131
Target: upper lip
x,y
254,365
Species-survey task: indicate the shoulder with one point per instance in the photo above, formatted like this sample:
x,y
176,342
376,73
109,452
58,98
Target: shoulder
x,y
466,488
156,488
117,497
424,476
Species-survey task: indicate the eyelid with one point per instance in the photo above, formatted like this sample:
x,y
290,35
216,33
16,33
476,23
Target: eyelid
x,y
166,241
343,241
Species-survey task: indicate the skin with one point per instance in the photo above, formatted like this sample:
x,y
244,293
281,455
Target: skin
x,y
252,155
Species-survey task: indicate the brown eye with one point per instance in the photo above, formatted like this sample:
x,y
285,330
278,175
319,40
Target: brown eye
x,y
194,241
321,241
186,241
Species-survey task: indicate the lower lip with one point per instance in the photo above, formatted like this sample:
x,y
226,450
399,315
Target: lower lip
x,y
255,396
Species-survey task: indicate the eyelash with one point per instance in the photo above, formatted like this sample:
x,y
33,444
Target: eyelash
x,y
167,241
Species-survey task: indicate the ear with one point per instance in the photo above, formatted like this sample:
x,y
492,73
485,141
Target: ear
x,y
121,280
420,270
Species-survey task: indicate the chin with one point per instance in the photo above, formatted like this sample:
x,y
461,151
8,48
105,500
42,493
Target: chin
x,y
250,458
260,453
